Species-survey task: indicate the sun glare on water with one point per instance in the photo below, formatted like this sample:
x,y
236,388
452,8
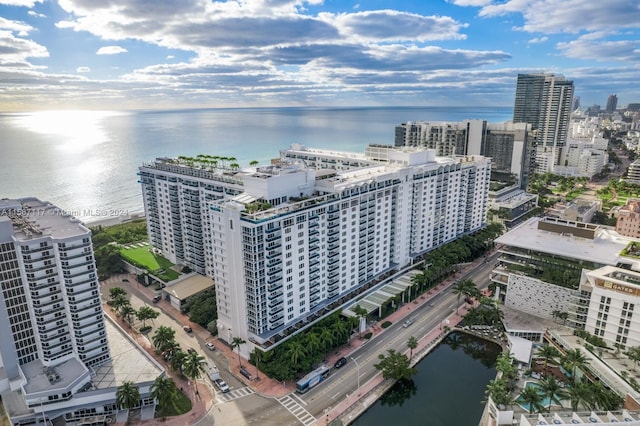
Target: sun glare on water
x,y
78,130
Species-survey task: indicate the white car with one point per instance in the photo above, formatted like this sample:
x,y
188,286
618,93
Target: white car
x,y
222,385
210,346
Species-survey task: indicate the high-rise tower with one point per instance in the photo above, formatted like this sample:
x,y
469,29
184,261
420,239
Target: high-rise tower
x,y
612,103
545,101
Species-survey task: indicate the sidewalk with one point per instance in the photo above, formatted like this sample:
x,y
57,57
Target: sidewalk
x,y
351,406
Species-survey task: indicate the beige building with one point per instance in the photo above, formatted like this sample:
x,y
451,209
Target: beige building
x,y
628,219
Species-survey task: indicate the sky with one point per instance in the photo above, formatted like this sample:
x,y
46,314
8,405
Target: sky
x,y
171,54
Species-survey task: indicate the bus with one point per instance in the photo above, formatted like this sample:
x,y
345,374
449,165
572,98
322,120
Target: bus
x,y
310,380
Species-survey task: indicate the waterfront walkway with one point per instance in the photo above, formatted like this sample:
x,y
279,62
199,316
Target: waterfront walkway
x,y
346,411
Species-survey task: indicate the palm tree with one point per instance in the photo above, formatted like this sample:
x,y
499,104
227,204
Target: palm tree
x,y
361,313
127,395
164,391
549,353
326,338
341,329
460,288
177,360
194,367
573,360
412,343
312,342
236,343
116,291
579,393
146,313
551,389
633,353
295,351
531,396
258,357
127,312
118,302
163,337
254,163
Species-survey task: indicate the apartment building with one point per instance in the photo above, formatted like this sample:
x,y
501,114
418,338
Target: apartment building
x,y
511,146
628,219
545,101
290,241
54,345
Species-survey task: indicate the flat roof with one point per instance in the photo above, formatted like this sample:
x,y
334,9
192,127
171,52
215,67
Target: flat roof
x,y
129,362
33,218
604,248
188,286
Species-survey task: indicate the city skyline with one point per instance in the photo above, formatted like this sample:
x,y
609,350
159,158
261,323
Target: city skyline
x,y
126,55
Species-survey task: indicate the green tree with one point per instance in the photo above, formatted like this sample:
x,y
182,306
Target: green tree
x,y
163,337
395,366
164,391
551,389
296,351
194,367
461,288
127,395
127,312
573,360
326,339
531,396
412,343
146,313
579,393
177,360
549,353
118,302
116,291
633,353
236,342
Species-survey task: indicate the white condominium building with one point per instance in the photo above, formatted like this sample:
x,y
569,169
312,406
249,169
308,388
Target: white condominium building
x,y
299,242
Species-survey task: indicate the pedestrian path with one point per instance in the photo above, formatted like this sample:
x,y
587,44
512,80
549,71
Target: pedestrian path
x,y
234,394
297,410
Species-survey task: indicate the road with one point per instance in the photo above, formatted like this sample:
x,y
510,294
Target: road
x,y
428,317
242,406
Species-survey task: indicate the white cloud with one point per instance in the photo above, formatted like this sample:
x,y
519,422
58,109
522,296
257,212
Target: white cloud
x,y
21,28
590,48
15,49
83,69
36,14
111,50
538,40
170,57
23,3
569,16
470,2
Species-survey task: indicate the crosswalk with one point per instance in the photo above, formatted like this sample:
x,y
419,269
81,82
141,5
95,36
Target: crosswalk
x,y
297,410
234,394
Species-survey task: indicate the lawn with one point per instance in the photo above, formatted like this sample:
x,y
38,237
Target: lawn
x,y
143,258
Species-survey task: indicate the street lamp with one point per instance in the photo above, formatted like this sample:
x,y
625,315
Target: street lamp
x,y
358,367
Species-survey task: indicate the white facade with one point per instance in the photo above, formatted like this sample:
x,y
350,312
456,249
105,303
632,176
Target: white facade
x,y
285,241
280,266
54,340
612,315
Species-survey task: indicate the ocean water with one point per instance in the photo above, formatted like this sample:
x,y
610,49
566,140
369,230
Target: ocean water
x,y
86,161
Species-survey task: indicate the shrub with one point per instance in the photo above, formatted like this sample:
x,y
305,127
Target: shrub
x,y
368,335
385,324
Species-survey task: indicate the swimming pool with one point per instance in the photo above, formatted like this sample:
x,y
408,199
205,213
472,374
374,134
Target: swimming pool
x,y
546,402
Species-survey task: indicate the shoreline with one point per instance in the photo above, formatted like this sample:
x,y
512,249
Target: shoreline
x,y
115,220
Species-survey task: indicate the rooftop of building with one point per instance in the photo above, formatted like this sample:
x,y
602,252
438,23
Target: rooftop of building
x,y
604,248
32,218
129,362
188,286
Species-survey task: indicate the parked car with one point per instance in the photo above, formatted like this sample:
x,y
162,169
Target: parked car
x,y
210,346
157,298
187,328
339,363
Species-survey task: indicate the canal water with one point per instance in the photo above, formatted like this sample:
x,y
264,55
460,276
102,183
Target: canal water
x,y
447,391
